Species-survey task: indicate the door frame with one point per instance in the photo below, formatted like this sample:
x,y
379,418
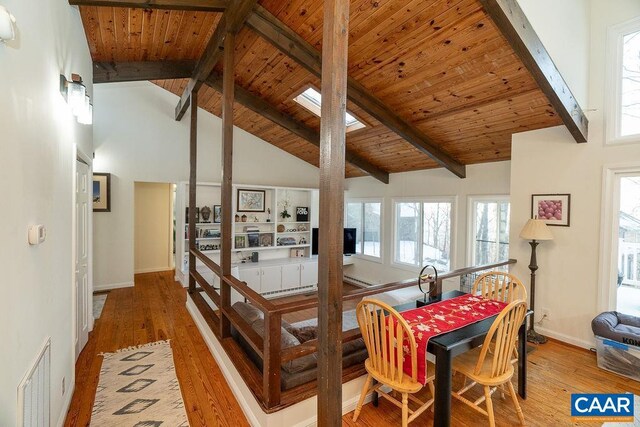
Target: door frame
x,y
611,174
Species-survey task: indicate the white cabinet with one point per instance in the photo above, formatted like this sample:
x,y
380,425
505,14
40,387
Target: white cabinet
x,y
271,279
252,276
309,274
290,276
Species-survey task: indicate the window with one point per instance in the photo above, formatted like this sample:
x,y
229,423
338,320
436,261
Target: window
x,y
366,218
423,233
312,101
489,241
623,118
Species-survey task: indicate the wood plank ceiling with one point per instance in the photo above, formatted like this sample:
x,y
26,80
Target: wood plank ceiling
x,y
442,65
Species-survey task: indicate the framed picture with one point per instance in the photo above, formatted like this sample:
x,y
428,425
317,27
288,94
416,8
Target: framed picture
x,y
302,214
101,192
266,239
250,200
553,209
240,242
217,214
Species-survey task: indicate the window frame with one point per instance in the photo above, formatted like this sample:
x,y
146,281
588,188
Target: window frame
x,y
316,110
613,92
362,201
422,200
471,220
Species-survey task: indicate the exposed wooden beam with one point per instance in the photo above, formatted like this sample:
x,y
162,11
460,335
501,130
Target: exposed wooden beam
x,y
268,111
111,72
517,30
195,5
291,44
333,128
232,20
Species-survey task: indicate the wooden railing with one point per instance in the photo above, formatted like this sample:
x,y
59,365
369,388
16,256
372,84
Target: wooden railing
x,y
268,347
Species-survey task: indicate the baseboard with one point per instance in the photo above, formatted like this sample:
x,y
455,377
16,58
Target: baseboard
x,y
152,270
566,338
66,404
302,414
110,286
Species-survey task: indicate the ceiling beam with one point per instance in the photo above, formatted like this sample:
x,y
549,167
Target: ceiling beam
x,y
268,111
194,5
111,72
231,22
291,44
517,30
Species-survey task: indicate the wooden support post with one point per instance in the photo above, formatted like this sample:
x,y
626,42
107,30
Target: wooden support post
x,y
332,161
271,361
228,85
193,163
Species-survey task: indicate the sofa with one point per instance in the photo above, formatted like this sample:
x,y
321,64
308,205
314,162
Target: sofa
x,y
302,370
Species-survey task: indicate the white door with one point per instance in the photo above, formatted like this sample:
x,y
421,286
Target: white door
x,y
290,276
83,296
271,279
309,274
252,277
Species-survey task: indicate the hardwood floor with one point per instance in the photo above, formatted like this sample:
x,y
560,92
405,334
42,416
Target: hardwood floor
x,y
155,309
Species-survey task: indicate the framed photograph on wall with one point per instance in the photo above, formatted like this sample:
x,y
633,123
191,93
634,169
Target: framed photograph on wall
x,y
240,242
217,214
250,200
553,209
101,192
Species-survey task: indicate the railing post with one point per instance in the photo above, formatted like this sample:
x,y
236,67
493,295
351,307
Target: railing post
x,y
193,162
271,359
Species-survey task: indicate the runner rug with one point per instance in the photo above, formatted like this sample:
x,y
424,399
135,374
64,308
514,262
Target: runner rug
x,y
138,387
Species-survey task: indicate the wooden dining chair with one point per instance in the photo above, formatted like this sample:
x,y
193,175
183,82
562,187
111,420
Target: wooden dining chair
x,y
384,331
499,286
493,368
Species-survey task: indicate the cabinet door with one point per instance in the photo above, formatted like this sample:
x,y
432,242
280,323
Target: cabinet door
x,y
309,274
252,277
271,279
290,276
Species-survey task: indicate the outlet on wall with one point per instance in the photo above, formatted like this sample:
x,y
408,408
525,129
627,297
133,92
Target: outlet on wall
x,y
544,312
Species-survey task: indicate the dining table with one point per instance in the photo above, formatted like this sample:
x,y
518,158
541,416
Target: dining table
x,y
450,344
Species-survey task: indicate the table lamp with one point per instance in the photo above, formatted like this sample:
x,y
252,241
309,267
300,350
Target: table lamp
x,y
535,230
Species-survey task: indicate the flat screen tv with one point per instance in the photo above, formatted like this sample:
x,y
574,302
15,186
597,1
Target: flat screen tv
x,y
349,247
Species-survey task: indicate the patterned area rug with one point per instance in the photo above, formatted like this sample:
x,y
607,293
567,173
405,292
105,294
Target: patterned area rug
x,y
138,388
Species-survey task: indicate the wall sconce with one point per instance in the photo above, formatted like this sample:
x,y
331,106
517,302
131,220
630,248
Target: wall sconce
x,y
7,21
75,93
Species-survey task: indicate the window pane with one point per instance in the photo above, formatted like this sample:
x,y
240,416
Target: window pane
x,y
436,238
354,220
491,232
371,239
630,109
407,223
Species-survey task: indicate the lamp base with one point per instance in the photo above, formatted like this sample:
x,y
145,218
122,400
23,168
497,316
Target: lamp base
x,y
536,338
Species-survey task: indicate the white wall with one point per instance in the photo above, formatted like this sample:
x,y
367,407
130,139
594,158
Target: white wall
x,y
37,160
549,161
137,139
482,179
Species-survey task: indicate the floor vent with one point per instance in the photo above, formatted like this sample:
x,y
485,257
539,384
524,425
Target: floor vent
x,y
358,282
33,392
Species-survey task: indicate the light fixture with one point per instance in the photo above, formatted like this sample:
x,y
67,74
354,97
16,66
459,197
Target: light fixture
x,y
75,93
536,231
7,21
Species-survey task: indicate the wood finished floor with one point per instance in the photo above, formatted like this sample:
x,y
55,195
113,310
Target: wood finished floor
x,y
155,309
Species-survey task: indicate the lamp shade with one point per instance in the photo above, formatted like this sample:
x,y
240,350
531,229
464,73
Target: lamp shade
x,y
536,229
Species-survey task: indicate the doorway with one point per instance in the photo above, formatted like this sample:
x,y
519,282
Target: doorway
x,y
153,227
82,292
628,278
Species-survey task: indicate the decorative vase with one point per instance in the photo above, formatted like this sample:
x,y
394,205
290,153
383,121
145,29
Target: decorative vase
x,y
237,218
244,218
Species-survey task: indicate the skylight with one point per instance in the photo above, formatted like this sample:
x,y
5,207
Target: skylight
x,y
312,101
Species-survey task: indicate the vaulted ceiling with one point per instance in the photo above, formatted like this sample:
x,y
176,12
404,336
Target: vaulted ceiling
x,y
443,66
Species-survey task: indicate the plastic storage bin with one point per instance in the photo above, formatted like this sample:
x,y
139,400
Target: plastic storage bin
x,y
614,356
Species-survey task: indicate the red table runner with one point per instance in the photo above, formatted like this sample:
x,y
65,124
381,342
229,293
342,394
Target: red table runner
x,y
442,317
